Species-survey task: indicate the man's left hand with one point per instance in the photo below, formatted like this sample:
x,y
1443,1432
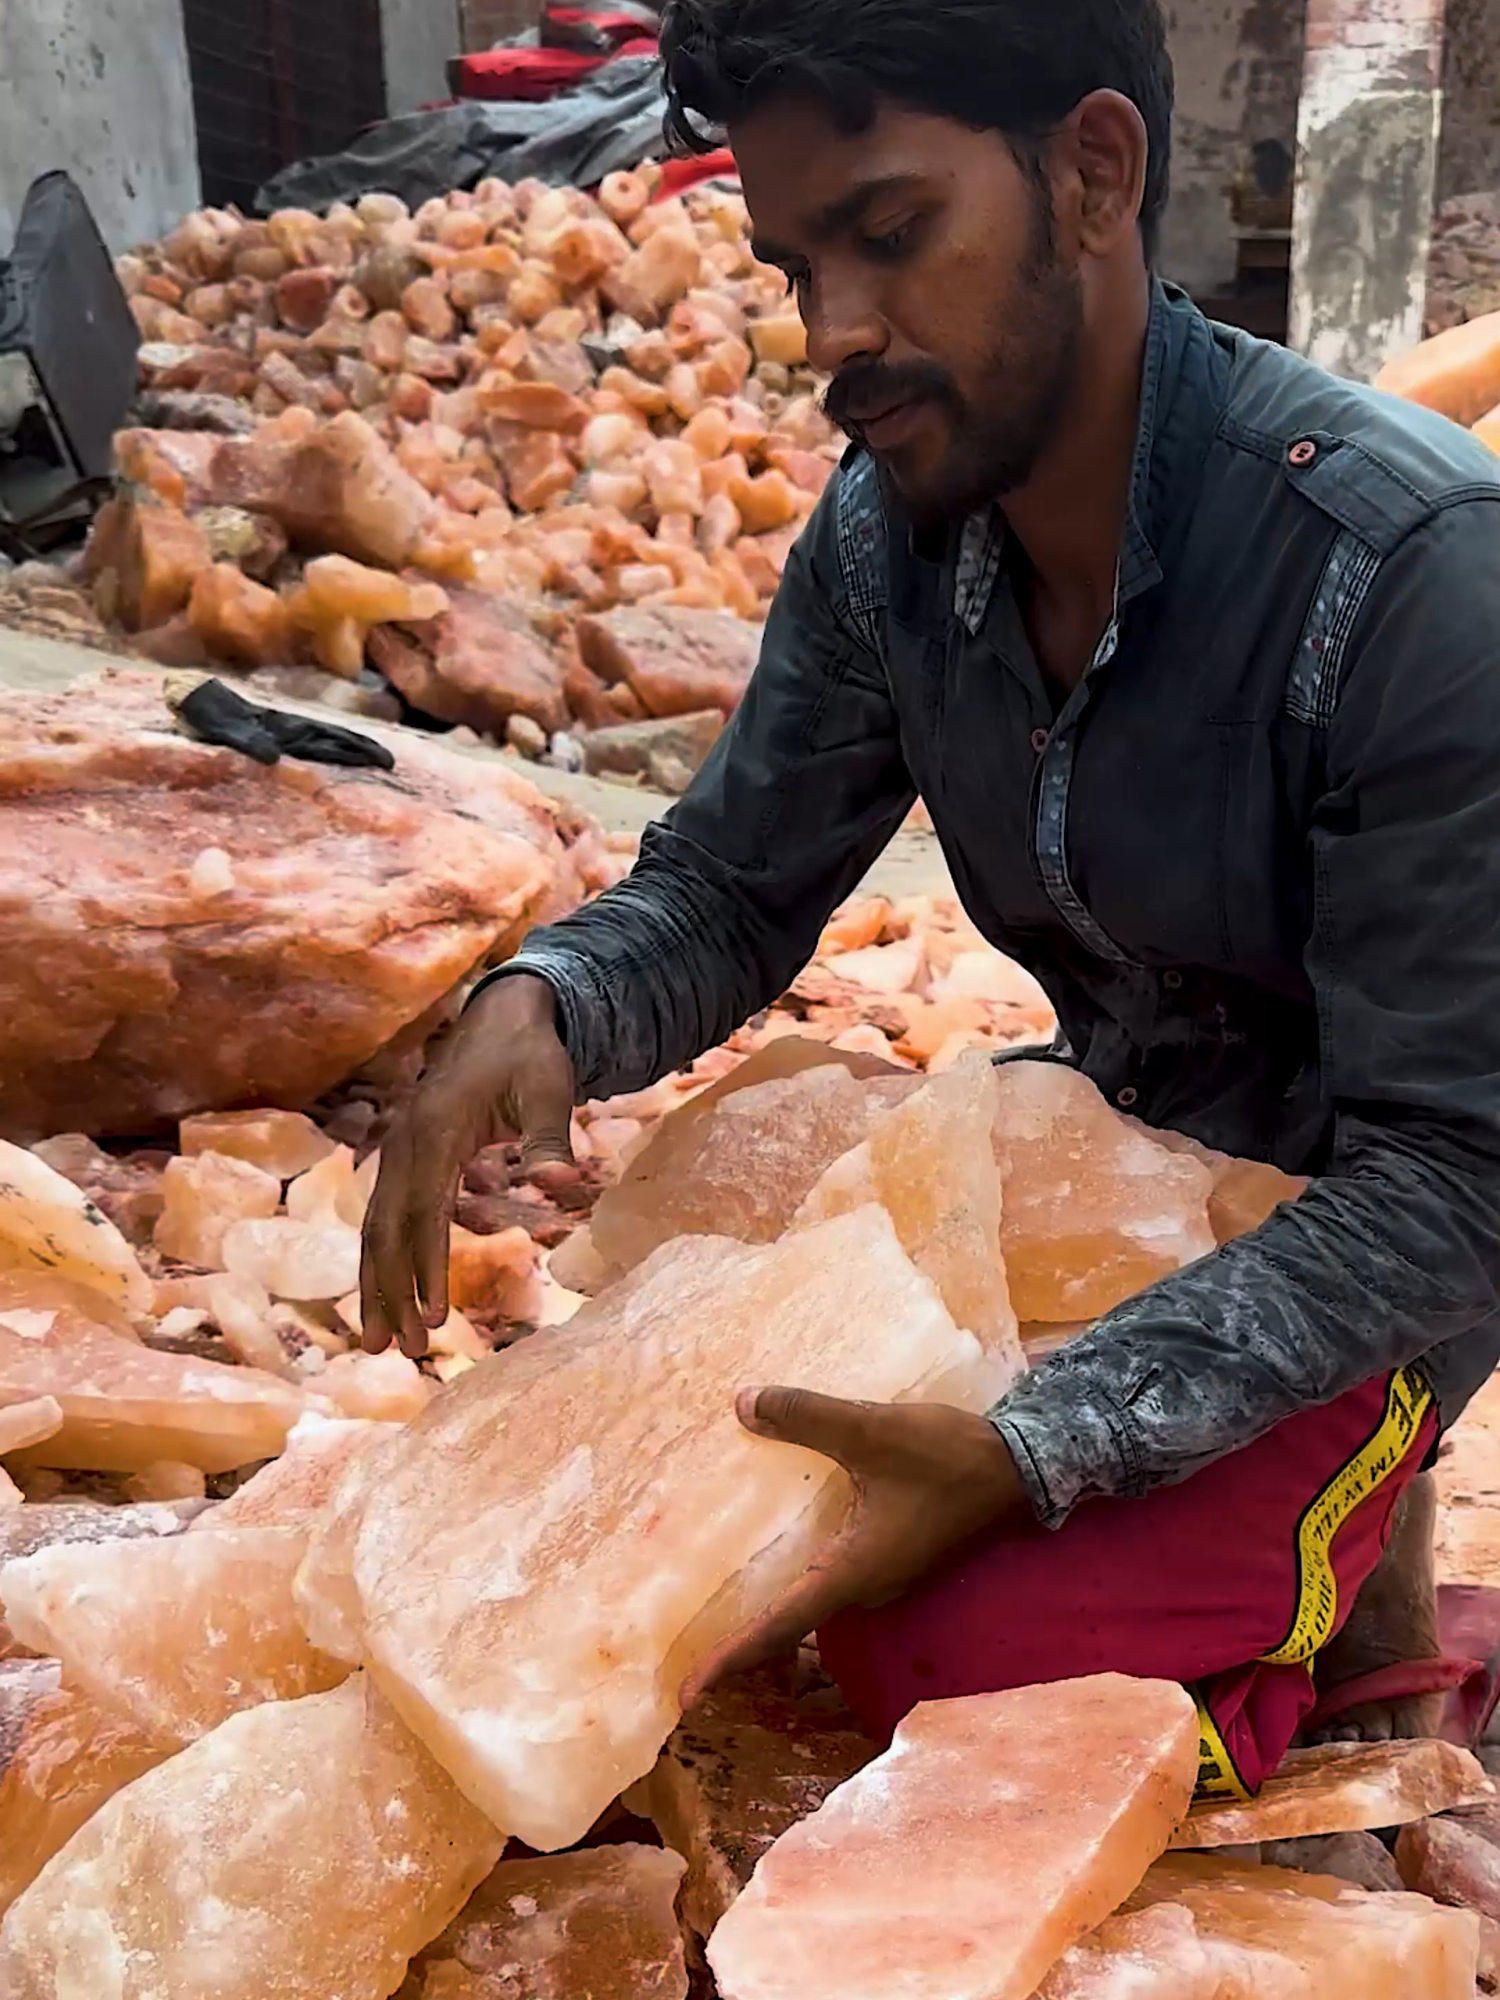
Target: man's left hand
x,y
926,1478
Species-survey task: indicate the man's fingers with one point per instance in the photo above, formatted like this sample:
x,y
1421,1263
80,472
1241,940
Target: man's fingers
x,y
825,1424
388,1276
809,1604
544,1113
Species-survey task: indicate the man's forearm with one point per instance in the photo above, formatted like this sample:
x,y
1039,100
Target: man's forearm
x,y
1392,1253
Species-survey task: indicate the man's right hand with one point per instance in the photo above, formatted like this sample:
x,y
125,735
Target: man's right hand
x,y
502,1071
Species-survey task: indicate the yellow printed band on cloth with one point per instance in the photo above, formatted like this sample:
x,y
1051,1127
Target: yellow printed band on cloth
x,y
1407,1402
1217,1777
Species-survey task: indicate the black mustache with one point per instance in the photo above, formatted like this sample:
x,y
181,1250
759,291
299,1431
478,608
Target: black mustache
x,y
875,385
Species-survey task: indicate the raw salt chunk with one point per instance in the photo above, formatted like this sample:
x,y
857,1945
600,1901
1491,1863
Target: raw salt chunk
x,y
205,1874
1095,1211
293,1490
48,1225
42,1524
166,1480
294,1260
204,1194
173,1636
747,1761
124,1405
61,1758
588,1497
283,1143
1451,1863
1343,1788
1151,1954
737,1162
929,1161
494,1277
963,1862
24,1424
379,1388
1275,1935
600,1925
327,1192
1361,1858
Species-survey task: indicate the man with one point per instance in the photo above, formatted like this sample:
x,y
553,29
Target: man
x,y
1191,651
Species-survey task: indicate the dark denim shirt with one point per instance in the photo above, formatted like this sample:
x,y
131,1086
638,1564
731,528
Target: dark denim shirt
x,y
1255,862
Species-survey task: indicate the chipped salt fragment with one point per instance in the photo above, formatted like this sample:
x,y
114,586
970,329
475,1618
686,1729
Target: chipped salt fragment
x,y
1344,1788
212,874
294,1260
283,1143
205,1194
48,1225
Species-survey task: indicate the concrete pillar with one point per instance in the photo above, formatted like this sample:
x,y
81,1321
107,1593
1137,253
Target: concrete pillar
x,y
1367,142
419,37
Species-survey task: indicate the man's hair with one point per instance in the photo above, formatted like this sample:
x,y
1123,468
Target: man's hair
x,y
1017,67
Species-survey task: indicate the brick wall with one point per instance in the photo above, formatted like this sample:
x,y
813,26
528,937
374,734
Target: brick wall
x,y
486,22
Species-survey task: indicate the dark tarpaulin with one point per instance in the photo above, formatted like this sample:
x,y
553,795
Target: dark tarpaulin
x,y
611,121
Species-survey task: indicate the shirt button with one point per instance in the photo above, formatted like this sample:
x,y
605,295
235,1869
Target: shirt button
x,y
1126,1097
1172,981
1303,452
1039,740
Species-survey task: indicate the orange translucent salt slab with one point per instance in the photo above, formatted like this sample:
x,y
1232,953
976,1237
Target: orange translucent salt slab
x,y
173,1635
929,1162
284,1143
1272,1934
204,1194
1245,1192
1344,1788
48,1225
293,1490
61,1758
599,1925
1094,1210
587,1499
748,1760
739,1158
992,1834
211,1874
126,1406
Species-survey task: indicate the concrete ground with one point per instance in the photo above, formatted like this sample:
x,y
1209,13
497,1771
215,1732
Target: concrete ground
x,y
912,865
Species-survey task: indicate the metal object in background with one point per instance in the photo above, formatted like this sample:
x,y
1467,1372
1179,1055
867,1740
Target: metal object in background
x,y
68,346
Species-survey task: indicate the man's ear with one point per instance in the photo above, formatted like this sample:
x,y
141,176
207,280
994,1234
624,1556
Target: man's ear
x,y
1098,162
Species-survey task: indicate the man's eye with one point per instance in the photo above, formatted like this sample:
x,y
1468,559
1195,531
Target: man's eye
x,y
891,242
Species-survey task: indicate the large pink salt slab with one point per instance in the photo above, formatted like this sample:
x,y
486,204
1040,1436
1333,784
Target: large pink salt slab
x,y
293,1490
173,1635
41,1525
992,1834
534,1567
1343,1788
1151,1954
1272,1934
599,1925
211,1874
1094,1209
49,1226
738,1159
930,1163
126,1406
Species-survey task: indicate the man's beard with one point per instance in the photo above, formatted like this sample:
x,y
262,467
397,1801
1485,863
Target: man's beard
x,y
1032,363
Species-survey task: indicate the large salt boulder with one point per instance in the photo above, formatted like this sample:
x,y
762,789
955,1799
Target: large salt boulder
x,y
182,929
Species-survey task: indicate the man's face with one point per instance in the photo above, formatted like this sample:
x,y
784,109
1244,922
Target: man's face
x,y
934,296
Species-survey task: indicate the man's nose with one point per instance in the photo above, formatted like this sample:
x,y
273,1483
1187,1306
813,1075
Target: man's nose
x,y
843,325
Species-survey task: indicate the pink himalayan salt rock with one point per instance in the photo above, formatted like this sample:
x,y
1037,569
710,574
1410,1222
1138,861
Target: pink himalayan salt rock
x,y
124,1405
204,1195
1094,1209
127,1190
41,1525
203,1876
494,1277
588,1494
25,1424
382,1388
334,1191
676,660
166,1480
986,1840
293,1490
173,1636
360,901
599,1925
294,1260
49,1225
1361,1858
738,1159
1342,1788
749,1759
930,1163
1151,1954
1245,1192
61,1758
476,665
1271,1934
281,1143
1451,1863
